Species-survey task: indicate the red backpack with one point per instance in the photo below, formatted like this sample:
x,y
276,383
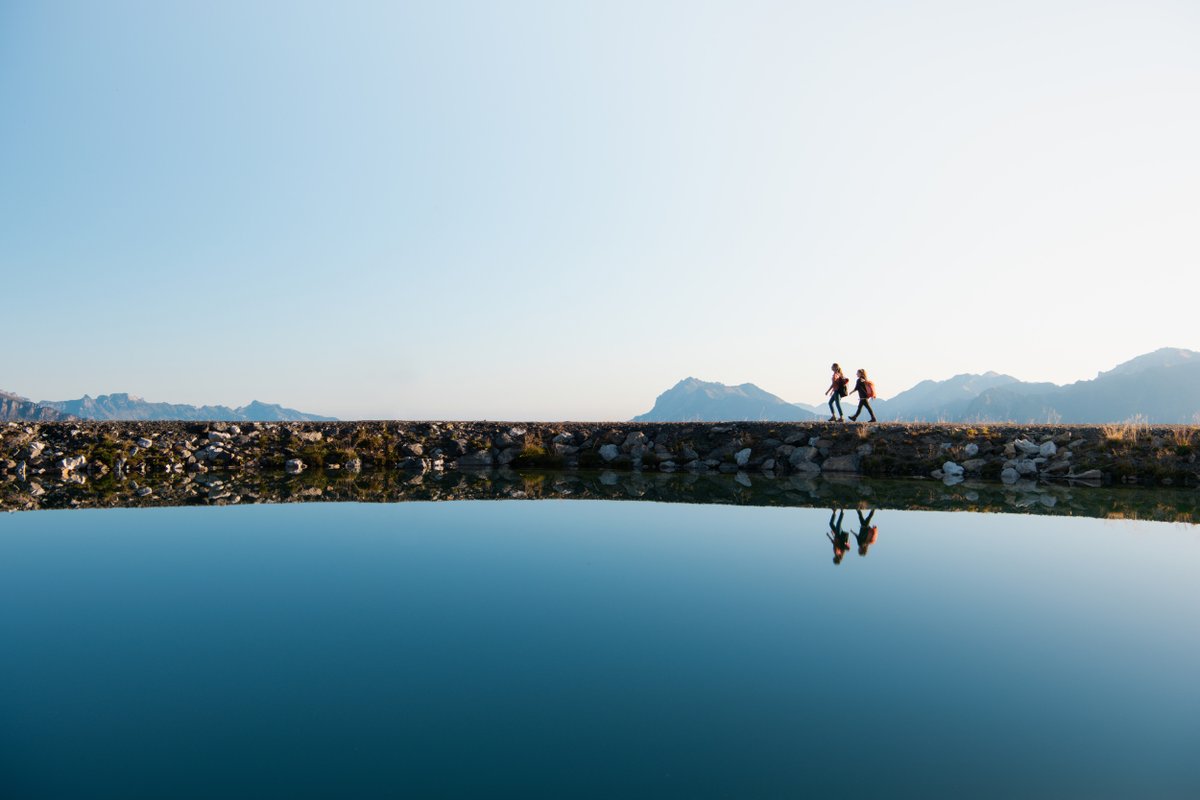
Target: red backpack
x,y
870,389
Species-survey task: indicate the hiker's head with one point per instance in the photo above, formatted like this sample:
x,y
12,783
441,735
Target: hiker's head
x,y
836,368
862,373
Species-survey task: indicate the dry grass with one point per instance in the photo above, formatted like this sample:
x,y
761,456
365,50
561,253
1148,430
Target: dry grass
x,y
1131,430
1183,434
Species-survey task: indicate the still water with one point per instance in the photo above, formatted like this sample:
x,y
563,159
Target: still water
x,y
594,649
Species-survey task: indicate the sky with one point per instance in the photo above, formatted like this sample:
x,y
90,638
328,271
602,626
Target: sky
x,y
557,210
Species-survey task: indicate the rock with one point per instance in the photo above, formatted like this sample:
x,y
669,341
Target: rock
x,y
353,465
971,450
1026,447
667,466
974,464
794,438
33,451
609,451
144,491
800,455
1025,467
952,480
414,464
686,453
1047,449
634,438
637,451
413,450
768,465
864,450
806,467
1009,475
561,449
507,456
221,436
840,464
937,474
72,463
950,469
742,457
144,443
1087,475
563,438
293,466
1057,468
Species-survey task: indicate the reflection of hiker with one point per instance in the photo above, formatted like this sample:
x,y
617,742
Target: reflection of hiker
x,y
867,533
840,539
866,390
836,391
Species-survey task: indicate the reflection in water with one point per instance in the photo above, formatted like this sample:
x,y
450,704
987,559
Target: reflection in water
x,y
743,489
867,533
840,539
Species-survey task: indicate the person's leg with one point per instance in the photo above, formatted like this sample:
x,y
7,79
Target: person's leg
x,y
857,411
834,400
865,402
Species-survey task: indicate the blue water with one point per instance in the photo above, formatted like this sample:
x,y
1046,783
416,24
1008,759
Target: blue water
x,y
593,649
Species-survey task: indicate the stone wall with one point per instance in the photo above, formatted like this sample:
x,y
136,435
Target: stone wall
x,y
78,451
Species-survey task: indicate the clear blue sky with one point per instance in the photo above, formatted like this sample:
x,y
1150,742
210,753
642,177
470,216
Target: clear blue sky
x,y
557,210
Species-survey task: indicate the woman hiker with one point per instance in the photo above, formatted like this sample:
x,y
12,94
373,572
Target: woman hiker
x,y
866,390
836,391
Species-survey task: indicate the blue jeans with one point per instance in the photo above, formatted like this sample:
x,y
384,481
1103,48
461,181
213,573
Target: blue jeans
x,y
835,399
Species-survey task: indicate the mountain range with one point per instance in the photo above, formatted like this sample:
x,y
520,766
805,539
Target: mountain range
x,y
1162,387
122,406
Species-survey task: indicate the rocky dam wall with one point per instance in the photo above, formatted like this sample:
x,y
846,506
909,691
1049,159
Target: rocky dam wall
x,y
34,454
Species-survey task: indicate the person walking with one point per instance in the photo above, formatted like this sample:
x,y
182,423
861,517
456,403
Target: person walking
x,y
866,391
836,391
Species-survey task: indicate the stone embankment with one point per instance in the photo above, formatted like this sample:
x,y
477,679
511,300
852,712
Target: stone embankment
x,y
37,453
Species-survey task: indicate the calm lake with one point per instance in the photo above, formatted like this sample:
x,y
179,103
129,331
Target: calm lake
x,y
590,648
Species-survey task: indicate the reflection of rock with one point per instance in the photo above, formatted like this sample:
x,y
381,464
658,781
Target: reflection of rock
x,y
293,466
1009,475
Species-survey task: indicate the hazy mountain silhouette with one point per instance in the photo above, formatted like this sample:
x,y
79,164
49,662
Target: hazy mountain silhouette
x,y
930,401
1163,387
122,406
15,408
693,400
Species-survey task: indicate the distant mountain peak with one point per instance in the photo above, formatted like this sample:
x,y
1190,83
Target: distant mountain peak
x,y
1162,357
694,400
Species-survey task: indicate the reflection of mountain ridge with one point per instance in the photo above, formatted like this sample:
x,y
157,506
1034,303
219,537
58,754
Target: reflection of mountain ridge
x,y
1173,505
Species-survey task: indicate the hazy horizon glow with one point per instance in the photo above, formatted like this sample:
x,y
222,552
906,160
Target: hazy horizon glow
x,y
553,211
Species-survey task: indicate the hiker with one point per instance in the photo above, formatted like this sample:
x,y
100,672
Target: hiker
x,y
840,539
867,533
866,391
836,391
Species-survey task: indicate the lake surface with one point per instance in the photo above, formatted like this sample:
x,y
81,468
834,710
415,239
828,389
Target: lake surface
x,y
575,648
